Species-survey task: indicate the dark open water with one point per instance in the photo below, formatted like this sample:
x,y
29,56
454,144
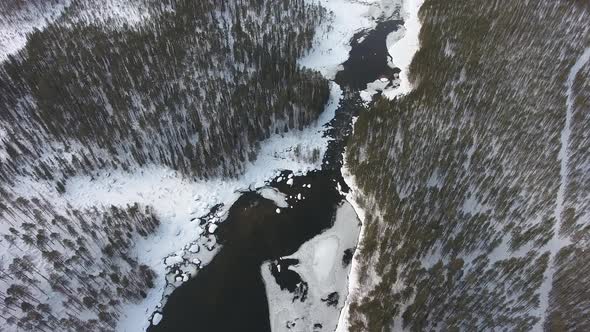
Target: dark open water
x,y
228,294
367,60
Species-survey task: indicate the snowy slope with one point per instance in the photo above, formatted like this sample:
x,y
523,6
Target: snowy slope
x,y
402,49
58,219
475,185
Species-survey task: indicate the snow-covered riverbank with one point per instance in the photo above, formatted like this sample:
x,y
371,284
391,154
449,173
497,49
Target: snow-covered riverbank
x,y
402,49
402,46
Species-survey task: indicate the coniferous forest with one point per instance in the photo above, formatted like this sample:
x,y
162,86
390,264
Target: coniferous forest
x,y
194,87
478,219
118,116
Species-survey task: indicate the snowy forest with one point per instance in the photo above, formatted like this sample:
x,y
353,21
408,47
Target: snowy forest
x,y
117,85
129,128
477,184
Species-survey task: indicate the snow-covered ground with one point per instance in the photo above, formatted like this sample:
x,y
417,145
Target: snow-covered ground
x,y
112,13
353,277
402,45
321,267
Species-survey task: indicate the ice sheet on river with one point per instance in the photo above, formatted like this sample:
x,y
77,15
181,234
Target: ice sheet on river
x,y
324,267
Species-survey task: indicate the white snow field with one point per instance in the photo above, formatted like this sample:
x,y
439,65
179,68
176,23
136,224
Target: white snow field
x,y
320,265
113,13
353,277
274,195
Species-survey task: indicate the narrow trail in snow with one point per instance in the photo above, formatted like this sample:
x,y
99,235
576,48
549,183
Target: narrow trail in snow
x,y
558,242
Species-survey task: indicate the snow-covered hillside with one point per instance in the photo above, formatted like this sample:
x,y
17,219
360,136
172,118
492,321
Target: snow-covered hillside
x,y
116,138
129,128
129,97
475,184
111,136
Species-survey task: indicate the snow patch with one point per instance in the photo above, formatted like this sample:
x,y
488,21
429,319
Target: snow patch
x,y
354,285
325,256
373,88
212,228
173,260
113,13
